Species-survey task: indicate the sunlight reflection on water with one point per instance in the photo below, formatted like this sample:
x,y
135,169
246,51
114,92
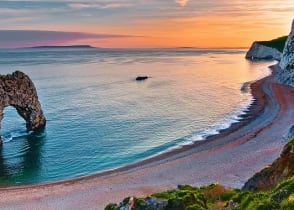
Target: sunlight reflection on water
x,y
100,118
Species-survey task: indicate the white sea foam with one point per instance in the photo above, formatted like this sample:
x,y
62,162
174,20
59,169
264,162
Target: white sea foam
x,y
14,135
223,123
215,129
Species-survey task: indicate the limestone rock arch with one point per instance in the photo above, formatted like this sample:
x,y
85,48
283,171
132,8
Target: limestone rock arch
x,y
18,90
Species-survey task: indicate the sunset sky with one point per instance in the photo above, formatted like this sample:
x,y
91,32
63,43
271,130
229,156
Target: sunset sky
x,y
143,23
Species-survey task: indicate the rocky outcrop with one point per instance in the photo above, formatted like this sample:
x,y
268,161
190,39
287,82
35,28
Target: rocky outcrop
x,y
141,78
18,90
259,51
132,203
286,74
270,176
290,133
288,52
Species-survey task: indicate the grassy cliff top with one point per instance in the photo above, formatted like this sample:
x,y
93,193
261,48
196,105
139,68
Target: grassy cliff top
x,y
214,196
278,43
274,187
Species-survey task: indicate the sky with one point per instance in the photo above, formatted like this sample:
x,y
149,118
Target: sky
x,y
143,23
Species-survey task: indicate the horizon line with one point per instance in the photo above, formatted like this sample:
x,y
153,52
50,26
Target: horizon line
x,y
96,47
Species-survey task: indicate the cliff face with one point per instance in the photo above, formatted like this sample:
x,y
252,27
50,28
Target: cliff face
x,y
270,176
258,51
18,90
286,75
288,53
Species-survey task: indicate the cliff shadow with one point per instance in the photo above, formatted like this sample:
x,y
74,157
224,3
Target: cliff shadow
x,y
23,163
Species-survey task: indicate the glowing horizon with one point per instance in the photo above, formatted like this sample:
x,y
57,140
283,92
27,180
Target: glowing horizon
x,y
129,23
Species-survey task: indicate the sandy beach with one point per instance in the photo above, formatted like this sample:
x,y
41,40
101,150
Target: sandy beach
x,y
229,158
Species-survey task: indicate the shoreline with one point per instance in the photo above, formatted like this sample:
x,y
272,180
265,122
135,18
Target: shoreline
x,y
249,113
252,111
230,157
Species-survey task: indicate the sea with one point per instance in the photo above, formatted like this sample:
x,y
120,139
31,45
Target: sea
x,y
100,118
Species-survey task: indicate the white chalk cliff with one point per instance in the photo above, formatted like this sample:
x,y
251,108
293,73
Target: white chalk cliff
x,y
286,74
258,51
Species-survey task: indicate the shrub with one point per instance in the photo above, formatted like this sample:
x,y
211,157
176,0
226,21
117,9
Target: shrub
x,y
195,207
112,206
227,195
213,192
175,204
164,195
287,184
287,204
126,201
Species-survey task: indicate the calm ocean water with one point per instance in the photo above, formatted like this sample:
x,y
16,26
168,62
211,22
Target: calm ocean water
x,y
100,118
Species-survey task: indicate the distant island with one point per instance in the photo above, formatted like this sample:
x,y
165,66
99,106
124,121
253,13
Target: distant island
x,y
65,46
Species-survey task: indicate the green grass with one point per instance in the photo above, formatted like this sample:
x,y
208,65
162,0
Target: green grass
x,y
278,43
215,196
280,197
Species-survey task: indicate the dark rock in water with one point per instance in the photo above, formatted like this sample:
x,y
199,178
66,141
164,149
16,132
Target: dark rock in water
x,y
18,90
141,78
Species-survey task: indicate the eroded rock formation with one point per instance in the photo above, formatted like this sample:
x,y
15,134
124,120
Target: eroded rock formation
x,y
270,176
258,51
288,53
18,90
286,75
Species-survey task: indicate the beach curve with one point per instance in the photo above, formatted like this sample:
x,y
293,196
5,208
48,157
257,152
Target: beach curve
x,y
230,158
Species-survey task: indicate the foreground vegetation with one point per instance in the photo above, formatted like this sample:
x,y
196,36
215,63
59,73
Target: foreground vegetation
x,y
270,189
278,43
215,196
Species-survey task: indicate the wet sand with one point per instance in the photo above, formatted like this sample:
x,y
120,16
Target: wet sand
x,y
230,158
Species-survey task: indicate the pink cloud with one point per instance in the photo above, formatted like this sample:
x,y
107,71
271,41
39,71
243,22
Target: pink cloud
x,y
98,5
30,38
182,2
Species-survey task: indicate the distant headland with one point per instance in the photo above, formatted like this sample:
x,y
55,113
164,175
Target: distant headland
x,y
267,50
64,46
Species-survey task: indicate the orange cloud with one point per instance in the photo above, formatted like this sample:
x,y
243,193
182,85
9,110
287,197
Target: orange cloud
x,y
182,2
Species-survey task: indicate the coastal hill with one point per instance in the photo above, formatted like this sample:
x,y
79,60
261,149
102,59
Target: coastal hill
x,y
278,43
267,50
